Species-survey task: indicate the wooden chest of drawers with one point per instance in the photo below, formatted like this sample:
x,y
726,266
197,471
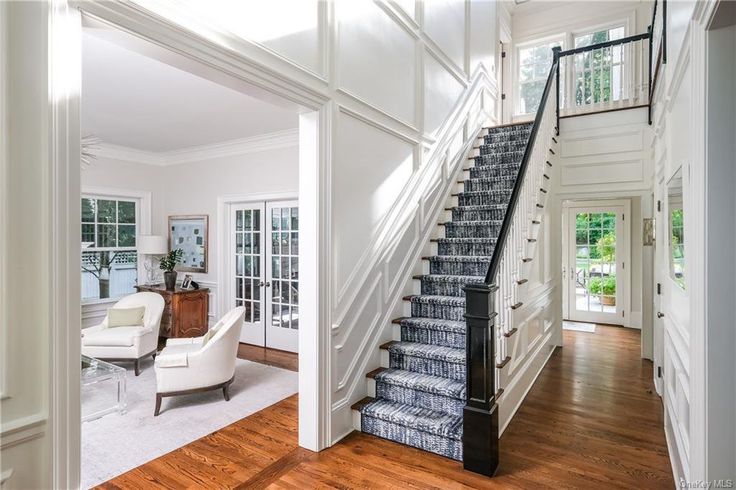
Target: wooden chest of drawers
x,y
185,313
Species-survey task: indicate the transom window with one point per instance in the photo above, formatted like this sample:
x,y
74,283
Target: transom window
x,y
109,257
535,62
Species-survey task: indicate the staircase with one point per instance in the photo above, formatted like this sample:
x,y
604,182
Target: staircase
x,y
419,394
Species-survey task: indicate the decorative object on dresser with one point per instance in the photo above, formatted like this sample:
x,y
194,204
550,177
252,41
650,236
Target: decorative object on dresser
x,y
202,363
185,311
189,233
187,282
114,341
167,265
151,246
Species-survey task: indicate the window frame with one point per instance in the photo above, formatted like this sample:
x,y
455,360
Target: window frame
x,y
561,38
567,33
143,225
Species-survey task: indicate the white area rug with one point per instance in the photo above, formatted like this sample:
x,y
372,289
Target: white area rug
x,y
578,326
116,443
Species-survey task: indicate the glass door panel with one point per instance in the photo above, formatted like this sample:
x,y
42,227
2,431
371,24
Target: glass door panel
x,y
248,264
282,325
594,285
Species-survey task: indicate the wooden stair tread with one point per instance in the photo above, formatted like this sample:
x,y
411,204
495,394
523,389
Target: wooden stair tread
x,y
361,403
375,372
388,344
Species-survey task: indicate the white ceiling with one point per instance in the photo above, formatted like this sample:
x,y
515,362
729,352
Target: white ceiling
x,y
136,101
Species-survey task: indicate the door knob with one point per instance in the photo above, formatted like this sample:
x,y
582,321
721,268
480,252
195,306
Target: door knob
x,y
660,314
267,284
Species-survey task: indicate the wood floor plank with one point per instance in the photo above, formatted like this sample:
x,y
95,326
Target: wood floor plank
x,y
591,420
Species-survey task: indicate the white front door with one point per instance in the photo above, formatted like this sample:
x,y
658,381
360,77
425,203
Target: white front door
x,y
265,247
596,260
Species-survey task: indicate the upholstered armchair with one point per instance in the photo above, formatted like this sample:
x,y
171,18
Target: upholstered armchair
x,y
127,343
197,364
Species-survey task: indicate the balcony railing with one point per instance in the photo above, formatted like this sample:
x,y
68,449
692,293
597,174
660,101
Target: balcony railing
x,y
608,76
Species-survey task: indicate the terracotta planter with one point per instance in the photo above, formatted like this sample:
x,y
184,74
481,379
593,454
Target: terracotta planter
x,y
608,300
170,280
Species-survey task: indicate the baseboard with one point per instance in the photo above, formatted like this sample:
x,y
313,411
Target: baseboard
x,y
678,472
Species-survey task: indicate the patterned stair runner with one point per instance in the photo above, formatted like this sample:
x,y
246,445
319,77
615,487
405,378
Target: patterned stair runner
x,y
420,397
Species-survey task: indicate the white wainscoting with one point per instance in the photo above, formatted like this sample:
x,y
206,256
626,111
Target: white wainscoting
x,y
373,296
605,152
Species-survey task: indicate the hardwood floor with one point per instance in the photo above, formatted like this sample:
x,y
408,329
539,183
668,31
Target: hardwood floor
x,y
270,357
590,421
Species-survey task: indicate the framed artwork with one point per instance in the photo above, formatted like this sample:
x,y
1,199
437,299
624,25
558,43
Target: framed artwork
x,y
189,233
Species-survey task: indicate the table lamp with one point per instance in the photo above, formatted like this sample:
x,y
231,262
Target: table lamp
x,y
152,245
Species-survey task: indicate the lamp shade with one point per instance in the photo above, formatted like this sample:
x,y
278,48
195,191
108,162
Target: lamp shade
x,y
152,245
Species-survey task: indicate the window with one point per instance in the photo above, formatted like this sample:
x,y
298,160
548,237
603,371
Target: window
x,y
534,64
109,257
599,74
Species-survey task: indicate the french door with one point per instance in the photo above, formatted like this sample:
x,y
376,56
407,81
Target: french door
x,y
595,267
264,266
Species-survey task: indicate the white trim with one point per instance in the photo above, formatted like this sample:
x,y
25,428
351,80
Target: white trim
x,y
5,476
24,429
64,211
5,388
243,146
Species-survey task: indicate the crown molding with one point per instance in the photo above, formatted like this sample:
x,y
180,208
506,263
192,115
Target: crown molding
x,y
252,144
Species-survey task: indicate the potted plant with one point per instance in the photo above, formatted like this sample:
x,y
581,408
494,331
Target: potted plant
x,y
605,288
167,264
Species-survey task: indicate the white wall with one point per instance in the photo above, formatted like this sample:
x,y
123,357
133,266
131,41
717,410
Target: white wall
x,y
125,175
697,351
604,156
721,242
194,188
393,76
26,311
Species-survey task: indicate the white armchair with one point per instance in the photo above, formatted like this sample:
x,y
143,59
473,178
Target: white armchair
x,y
127,343
201,363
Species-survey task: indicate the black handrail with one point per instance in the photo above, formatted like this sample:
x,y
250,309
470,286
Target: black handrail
x,y
506,224
606,44
480,414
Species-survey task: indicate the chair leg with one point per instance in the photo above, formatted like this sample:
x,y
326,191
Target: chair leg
x,y
158,404
226,391
137,367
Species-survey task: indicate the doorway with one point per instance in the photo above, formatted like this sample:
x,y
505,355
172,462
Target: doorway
x,y
594,262
264,271
216,66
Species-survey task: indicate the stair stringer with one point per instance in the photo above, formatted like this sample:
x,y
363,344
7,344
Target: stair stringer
x,y
419,266
542,307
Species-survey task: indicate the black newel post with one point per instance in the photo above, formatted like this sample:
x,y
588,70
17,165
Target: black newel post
x,y
480,416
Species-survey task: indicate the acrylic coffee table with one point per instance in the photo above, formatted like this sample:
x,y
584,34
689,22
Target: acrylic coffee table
x,y
103,388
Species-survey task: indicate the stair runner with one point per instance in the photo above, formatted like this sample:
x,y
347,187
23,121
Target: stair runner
x,y
420,397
